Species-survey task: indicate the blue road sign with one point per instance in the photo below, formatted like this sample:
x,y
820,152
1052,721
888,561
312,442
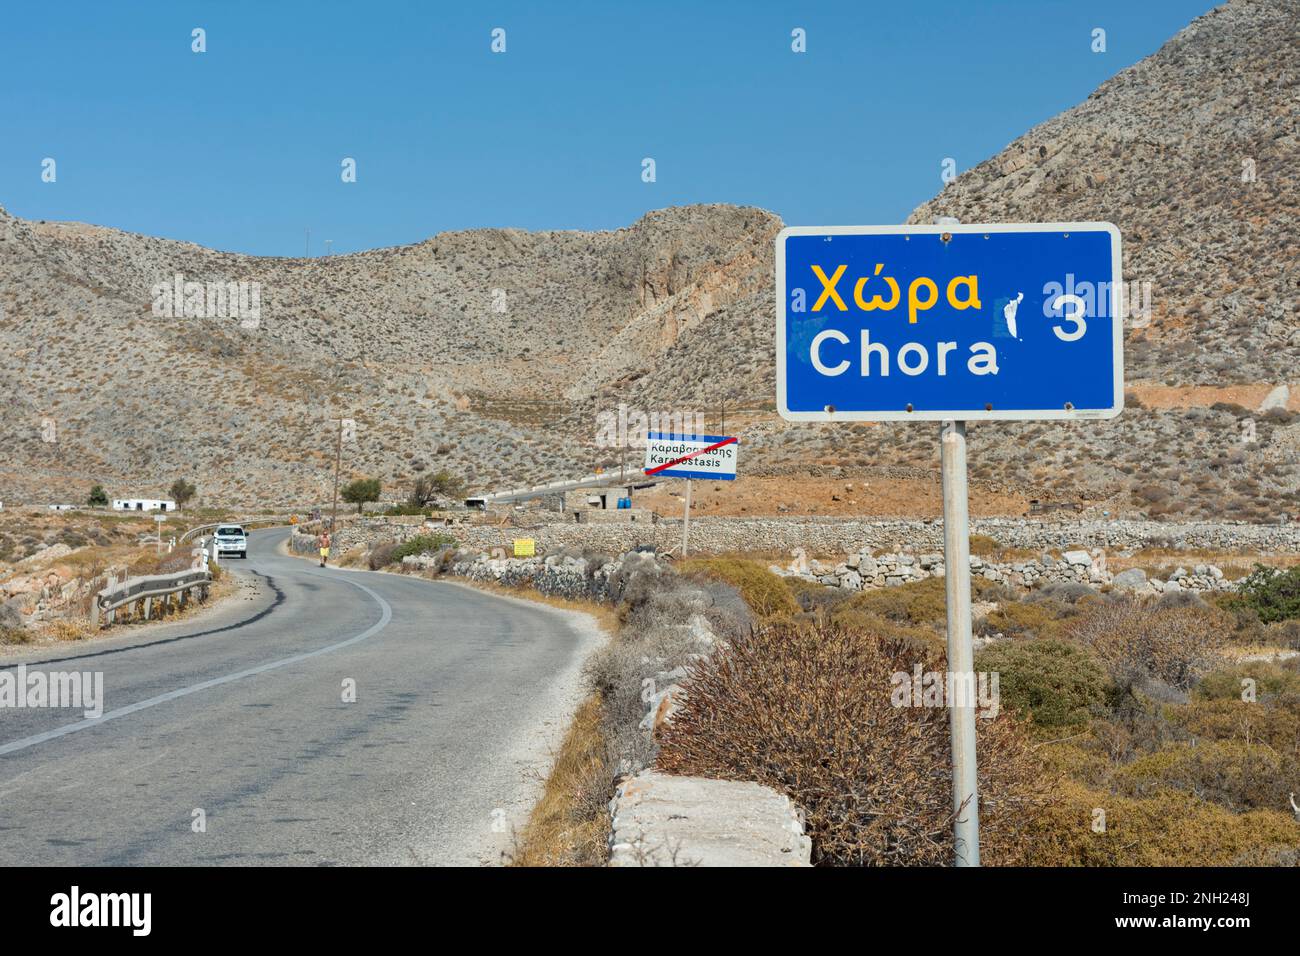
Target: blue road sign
x,y
970,322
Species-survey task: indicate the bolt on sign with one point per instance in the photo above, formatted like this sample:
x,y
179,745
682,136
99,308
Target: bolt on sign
x,y
968,322
525,547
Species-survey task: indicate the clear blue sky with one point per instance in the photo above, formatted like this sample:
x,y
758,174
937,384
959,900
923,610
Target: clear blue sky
x,y
239,147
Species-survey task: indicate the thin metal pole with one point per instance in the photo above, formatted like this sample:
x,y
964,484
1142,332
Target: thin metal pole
x,y
686,518
338,457
961,655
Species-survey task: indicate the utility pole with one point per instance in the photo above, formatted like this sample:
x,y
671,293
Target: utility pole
x,y
338,458
306,249
327,246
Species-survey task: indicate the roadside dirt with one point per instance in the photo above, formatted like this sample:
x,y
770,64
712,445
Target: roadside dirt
x,y
1203,396
871,497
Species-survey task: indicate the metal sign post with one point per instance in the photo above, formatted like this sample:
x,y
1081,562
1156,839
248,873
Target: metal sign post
x,y
686,518
961,655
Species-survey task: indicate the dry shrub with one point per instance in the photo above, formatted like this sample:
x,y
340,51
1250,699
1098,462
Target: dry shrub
x,y
916,602
69,630
178,560
1277,724
1283,634
813,596
808,712
1014,619
353,556
14,634
1270,680
764,592
1165,829
1139,642
927,640
1235,775
381,555
653,639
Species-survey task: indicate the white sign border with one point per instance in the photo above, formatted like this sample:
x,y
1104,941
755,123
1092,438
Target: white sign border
x,y
968,415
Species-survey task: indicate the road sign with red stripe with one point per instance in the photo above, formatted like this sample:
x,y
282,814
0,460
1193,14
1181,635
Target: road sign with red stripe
x,y
691,456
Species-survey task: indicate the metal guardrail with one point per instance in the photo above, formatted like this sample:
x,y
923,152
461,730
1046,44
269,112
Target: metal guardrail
x,y
610,479
149,586
242,522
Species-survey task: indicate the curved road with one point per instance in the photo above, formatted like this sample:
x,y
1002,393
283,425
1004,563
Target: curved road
x,y
239,712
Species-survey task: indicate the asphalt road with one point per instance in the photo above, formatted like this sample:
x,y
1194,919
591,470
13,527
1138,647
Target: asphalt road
x,y
239,713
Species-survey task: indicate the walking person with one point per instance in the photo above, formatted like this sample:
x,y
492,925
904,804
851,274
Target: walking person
x,y
324,542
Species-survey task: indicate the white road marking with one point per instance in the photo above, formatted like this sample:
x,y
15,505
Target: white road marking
x,y
385,616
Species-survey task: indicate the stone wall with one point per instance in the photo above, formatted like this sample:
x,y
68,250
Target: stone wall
x,y
863,571
711,535
553,575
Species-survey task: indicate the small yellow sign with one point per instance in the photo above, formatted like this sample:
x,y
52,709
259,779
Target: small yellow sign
x,y
525,547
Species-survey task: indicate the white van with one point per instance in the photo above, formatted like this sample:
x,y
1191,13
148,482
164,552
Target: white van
x,y
231,541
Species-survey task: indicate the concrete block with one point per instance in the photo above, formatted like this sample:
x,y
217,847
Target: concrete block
x,y
662,820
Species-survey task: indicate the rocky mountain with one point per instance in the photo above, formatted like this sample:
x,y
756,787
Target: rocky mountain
x,y
492,352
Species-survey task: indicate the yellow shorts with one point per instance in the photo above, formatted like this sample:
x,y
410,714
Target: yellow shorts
x,y
324,552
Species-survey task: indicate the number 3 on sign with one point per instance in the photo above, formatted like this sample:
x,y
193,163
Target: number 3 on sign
x,y
1080,310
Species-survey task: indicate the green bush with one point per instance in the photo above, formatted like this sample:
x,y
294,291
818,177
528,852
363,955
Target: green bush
x,y
1052,682
764,592
406,508
361,490
1271,593
916,602
421,544
428,488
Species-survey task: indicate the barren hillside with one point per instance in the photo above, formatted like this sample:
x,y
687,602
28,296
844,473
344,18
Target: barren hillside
x,y
490,352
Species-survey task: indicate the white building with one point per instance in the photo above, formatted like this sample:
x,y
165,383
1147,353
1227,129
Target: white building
x,y
143,504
